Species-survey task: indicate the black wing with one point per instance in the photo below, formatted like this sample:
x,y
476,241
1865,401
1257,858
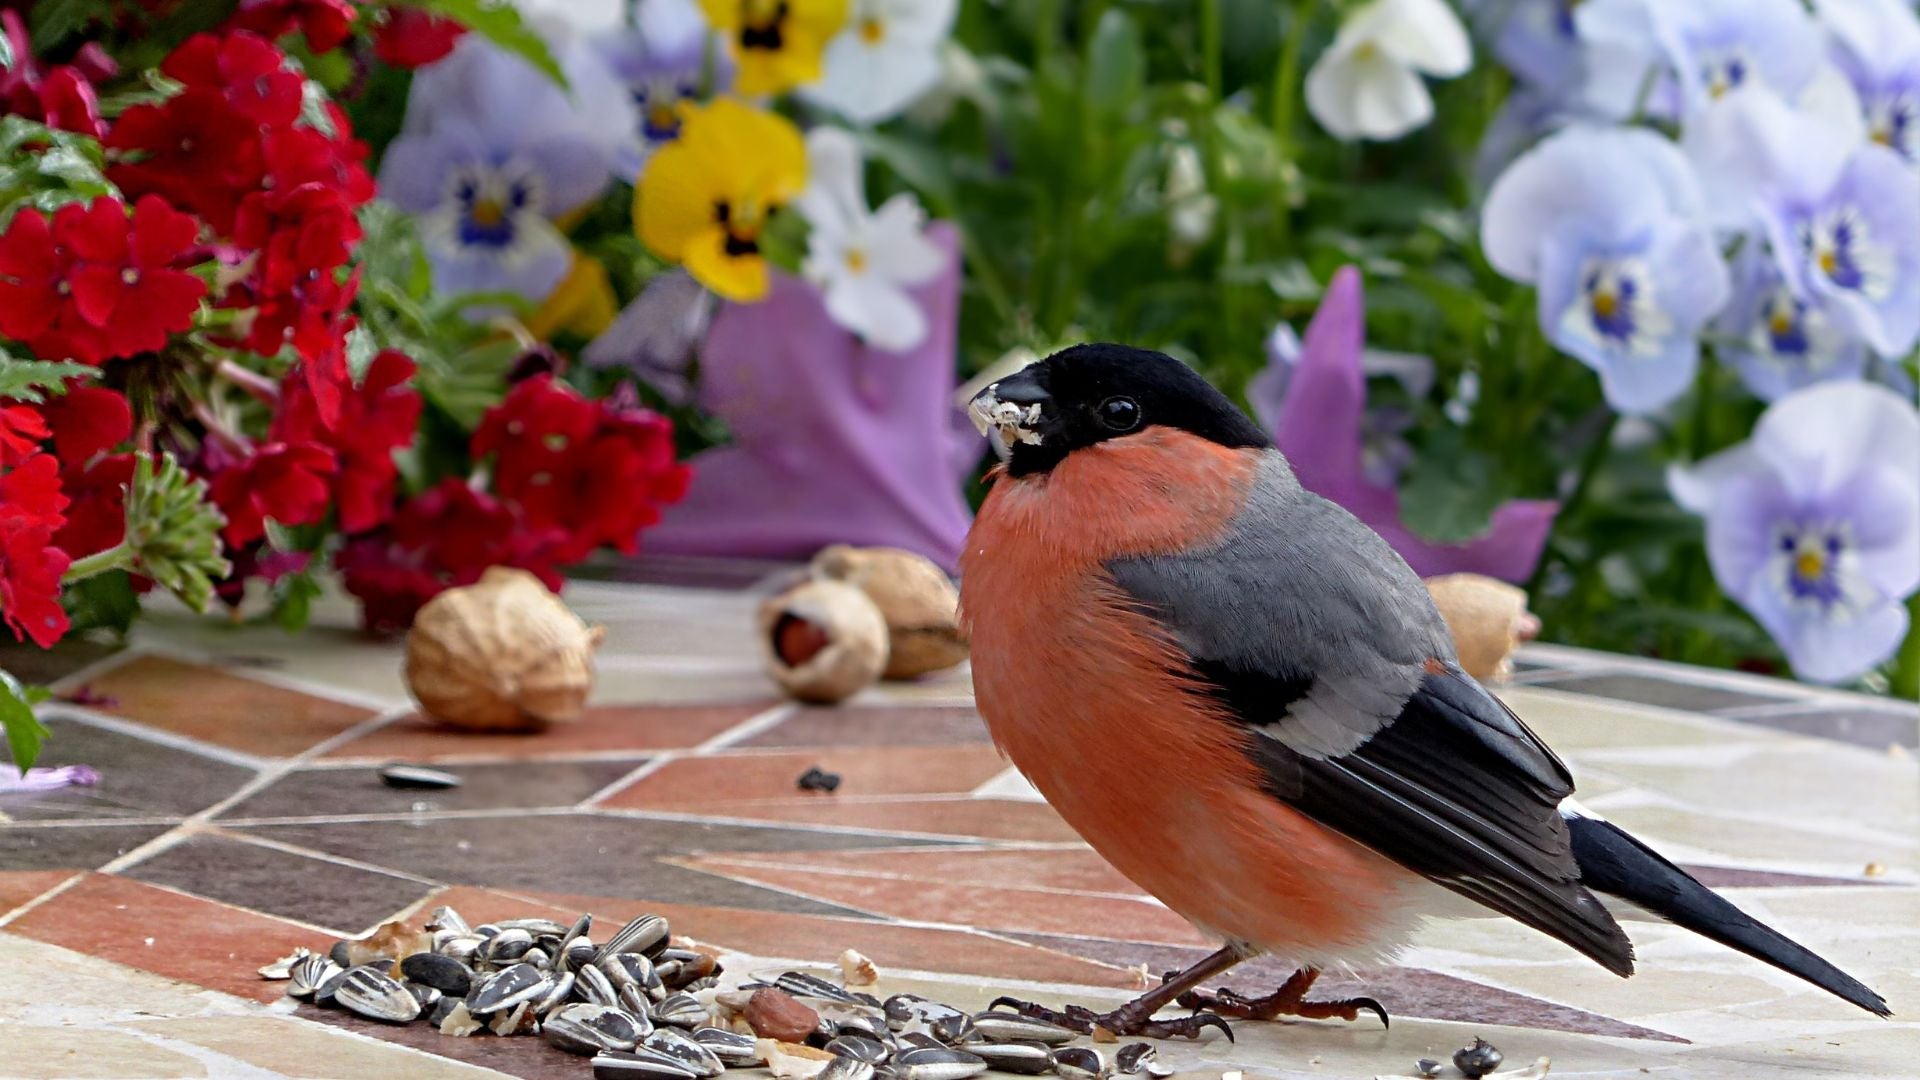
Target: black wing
x,y
1455,788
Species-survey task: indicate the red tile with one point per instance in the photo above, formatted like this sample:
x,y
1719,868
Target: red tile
x,y
972,896
978,819
19,886
813,938
182,937
1068,869
599,730
218,706
864,771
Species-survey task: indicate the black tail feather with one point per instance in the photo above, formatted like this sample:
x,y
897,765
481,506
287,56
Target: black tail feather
x,y
1614,863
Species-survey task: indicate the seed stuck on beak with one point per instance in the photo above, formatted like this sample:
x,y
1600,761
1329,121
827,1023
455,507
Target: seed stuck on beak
x,y
1014,421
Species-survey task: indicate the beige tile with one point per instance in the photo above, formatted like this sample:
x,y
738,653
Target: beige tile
x,y
1759,843
78,1053
1572,722
302,1050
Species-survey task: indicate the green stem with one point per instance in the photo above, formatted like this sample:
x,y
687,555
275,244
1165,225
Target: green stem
x,y
117,557
1589,468
1906,664
1210,47
1286,77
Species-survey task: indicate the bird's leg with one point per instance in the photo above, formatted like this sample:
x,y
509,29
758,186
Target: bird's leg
x,y
1289,1000
1135,1018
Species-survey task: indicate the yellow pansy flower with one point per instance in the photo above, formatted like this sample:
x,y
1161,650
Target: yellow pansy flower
x,y
707,195
776,43
583,302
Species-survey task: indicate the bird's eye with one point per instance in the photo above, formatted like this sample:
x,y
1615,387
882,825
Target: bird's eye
x,y
1120,413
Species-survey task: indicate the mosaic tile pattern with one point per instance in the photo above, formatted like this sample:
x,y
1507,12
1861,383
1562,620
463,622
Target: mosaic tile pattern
x,y
241,813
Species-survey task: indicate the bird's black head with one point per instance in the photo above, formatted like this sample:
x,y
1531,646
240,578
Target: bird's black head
x,y
1091,393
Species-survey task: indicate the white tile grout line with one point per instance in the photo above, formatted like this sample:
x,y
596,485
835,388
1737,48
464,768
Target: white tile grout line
x,y
81,675
752,725
9,917
146,733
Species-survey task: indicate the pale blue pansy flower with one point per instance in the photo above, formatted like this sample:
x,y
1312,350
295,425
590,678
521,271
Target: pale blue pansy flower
x,y
1675,58
1607,223
1813,525
1779,341
492,152
1876,44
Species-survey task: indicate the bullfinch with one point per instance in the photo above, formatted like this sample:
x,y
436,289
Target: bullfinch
x,y
1244,700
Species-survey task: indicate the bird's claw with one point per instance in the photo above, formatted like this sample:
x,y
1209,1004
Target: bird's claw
x,y
1240,1007
1121,1022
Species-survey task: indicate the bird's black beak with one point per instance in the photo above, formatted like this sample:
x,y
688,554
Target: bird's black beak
x,y
1015,407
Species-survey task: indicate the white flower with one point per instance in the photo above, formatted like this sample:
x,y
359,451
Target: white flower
x,y
886,56
864,260
1367,84
1190,207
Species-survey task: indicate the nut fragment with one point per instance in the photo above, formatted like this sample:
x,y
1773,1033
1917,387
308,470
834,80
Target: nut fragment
x,y
916,598
775,1014
854,651
1488,620
857,970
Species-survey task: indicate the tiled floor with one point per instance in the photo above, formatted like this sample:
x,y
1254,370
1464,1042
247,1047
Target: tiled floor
x,y
241,814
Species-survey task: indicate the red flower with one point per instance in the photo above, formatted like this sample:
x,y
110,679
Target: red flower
x,y
324,23
303,155
193,150
94,284
62,95
22,430
248,73
447,536
596,471
31,507
87,420
302,236
204,148
411,38
97,518
373,420
282,481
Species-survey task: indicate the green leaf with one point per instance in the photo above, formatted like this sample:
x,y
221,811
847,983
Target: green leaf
x,y
31,380
500,23
1449,493
1116,63
173,530
102,602
25,733
293,597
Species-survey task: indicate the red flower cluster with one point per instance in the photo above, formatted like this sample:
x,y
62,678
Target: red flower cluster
x,y
404,37
570,474
60,96
411,38
597,471
232,131
315,462
32,509
446,536
52,509
94,283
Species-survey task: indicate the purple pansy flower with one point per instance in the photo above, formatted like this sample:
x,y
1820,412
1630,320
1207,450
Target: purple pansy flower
x,y
1779,341
1607,223
656,335
834,440
1813,525
491,152
1876,44
1319,425
1384,450
1537,40
662,61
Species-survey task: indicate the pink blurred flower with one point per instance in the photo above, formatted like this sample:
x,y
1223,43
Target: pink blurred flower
x,y
1318,425
834,440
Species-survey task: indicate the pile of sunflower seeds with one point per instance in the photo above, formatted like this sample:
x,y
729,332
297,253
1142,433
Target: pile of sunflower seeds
x,y
643,1009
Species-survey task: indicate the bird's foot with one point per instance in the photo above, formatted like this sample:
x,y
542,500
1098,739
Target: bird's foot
x,y
1289,1000
1127,1021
